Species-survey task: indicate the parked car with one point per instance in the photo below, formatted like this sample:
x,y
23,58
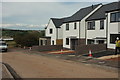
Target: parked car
x,y
3,46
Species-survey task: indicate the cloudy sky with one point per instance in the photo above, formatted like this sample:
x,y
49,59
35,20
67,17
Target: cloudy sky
x,y
35,15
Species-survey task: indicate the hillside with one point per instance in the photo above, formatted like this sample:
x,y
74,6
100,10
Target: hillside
x,y
12,33
22,37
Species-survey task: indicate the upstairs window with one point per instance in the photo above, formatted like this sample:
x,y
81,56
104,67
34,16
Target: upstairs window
x,y
67,26
75,25
102,24
91,25
51,31
115,17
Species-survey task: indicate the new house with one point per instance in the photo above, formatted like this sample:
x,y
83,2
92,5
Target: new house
x,y
74,27
54,31
96,24
100,28
113,25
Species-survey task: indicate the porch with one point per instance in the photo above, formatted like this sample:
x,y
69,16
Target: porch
x,y
44,41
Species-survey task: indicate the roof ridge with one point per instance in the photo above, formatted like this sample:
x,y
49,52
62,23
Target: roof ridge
x,y
102,10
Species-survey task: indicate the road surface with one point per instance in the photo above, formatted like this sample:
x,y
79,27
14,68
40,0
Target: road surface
x,y
36,66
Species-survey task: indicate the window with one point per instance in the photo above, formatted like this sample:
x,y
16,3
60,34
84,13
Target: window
x,y
113,38
75,25
102,24
67,41
91,25
115,17
118,16
51,31
90,41
67,26
101,41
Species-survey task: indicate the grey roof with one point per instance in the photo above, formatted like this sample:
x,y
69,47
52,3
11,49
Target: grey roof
x,y
57,22
100,13
79,15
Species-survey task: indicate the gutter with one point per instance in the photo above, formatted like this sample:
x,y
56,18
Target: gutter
x,y
85,33
56,33
79,34
106,30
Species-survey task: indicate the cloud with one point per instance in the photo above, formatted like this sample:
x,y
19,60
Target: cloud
x,y
22,26
58,0
44,25
37,14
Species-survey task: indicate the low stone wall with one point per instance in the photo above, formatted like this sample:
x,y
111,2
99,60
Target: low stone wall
x,y
47,47
82,49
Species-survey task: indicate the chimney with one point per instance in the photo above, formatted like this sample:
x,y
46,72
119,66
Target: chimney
x,y
92,6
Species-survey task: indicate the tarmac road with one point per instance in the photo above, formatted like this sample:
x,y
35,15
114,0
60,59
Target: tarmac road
x,y
36,66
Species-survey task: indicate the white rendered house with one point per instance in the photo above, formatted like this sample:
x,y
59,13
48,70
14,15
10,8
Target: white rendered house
x,y
100,28
54,31
96,27
74,27
89,25
113,24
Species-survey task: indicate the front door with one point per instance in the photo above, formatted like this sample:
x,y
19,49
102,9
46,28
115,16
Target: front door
x,y
41,42
73,43
52,42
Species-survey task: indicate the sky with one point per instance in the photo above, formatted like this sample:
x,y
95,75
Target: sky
x,y
34,15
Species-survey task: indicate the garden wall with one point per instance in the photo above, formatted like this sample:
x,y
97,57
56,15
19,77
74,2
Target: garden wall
x,y
82,49
47,47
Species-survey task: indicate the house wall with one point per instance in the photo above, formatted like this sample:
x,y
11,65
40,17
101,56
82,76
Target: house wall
x,y
83,24
57,32
90,34
70,32
60,32
112,29
47,32
82,29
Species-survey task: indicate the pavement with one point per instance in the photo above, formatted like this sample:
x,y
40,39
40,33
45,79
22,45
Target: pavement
x,y
109,57
8,73
103,58
5,72
102,53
